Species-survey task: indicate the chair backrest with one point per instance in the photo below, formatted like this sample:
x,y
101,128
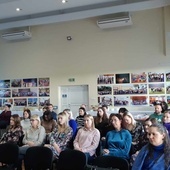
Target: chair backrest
x,y
9,153
71,160
38,158
111,162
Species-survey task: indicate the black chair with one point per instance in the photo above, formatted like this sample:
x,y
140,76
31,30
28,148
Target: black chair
x,y
38,158
71,160
111,162
8,155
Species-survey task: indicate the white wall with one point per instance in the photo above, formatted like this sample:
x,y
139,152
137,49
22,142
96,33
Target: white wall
x,y
91,52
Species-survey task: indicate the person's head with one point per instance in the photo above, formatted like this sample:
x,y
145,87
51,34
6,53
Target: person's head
x,y
62,119
45,108
105,108
47,116
69,113
147,123
101,112
128,119
110,118
82,111
35,121
158,109
122,110
50,107
27,114
89,122
7,107
164,106
116,120
166,116
15,120
157,134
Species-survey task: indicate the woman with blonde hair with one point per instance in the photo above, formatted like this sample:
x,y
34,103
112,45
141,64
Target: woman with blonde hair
x,y
135,128
61,135
87,138
34,136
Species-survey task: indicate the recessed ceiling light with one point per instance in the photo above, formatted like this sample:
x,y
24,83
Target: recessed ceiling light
x,y
64,1
18,9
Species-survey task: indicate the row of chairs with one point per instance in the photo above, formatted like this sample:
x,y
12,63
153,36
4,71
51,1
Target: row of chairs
x,y
41,158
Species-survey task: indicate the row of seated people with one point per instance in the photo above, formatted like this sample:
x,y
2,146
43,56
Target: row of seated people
x,y
118,141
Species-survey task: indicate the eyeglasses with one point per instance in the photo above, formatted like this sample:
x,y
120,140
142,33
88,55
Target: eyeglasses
x,y
32,120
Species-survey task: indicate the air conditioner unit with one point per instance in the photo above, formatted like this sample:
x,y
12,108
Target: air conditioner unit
x,y
115,22
21,35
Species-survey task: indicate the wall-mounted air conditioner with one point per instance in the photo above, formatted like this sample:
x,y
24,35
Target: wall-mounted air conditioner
x,y
21,35
118,21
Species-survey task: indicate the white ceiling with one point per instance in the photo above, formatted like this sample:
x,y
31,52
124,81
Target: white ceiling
x,y
37,12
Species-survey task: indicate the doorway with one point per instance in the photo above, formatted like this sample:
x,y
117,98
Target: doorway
x,y
71,97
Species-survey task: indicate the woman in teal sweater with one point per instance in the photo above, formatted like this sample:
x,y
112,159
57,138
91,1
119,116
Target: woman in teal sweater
x,y
118,141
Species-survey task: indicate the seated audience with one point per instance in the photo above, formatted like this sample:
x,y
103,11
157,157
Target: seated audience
x,y
25,123
80,118
158,113
118,141
60,136
14,133
156,154
71,121
5,116
166,120
101,120
136,130
87,138
48,123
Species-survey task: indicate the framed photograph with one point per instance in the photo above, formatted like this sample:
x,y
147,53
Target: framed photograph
x,y
168,76
122,78
138,100
156,99
44,82
28,92
29,82
1,104
44,92
157,88
130,89
155,77
16,83
33,102
104,90
168,100
7,101
105,100
4,83
5,93
20,102
44,101
167,88
121,100
106,79
139,77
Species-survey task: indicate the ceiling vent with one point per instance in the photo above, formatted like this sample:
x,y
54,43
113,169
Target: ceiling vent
x,y
12,36
118,21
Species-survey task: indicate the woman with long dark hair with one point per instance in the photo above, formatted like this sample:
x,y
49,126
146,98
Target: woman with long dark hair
x,y
156,154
